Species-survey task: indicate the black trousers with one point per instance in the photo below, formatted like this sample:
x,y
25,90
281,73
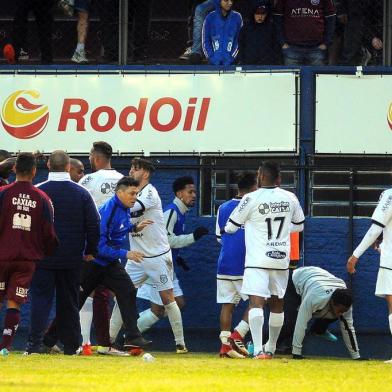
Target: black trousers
x,y
115,278
42,10
65,285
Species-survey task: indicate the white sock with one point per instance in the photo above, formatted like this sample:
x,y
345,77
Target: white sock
x,y
242,328
86,319
275,325
146,320
115,322
79,47
390,322
256,321
224,336
175,319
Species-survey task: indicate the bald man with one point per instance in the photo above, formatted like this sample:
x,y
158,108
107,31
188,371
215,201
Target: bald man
x,y
76,170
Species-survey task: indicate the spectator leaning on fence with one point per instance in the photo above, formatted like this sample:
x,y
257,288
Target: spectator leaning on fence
x,y
220,34
305,29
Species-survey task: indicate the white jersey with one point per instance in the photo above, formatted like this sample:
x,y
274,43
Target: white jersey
x,y
382,217
152,241
269,215
101,184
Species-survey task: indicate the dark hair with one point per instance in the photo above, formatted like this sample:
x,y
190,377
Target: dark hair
x,y
246,180
25,163
181,182
142,163
4,154
58,161
271,170
342,297
103,148
126,182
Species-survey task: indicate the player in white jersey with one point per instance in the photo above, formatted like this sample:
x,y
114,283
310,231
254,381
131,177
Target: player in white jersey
x,y
381,224
101,183
153,243
268,214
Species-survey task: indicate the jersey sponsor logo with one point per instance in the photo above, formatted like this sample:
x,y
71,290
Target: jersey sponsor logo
x,y
244,204
21,222
304,12
21,118
282,206
107,187
163,279
21,292
276,254
264,209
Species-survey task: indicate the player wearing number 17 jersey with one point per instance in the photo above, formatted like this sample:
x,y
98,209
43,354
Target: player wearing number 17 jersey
x,y
268,214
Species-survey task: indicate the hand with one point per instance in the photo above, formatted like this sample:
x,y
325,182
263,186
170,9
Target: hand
x,y
351,262
182,263
322,47
143,224
377,43
298,356
285,46
135,255
199,232
88,258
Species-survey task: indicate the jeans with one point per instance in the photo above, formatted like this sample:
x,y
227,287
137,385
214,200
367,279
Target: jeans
x,y
201,12
297,55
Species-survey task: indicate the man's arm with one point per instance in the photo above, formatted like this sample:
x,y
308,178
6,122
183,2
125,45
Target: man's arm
x,y
206,38
298,218
92,225
218,228
176,241
305,313
348,334
48,231
238,217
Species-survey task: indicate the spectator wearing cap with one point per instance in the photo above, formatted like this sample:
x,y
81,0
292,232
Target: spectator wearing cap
x,y
257,39
305,29
221,31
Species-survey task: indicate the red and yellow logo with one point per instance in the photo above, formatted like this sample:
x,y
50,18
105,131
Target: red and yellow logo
x,y
390,116
21,118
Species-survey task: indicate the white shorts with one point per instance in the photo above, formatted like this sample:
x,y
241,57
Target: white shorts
x,y
228,289
384,282
150,292
264,282
159,269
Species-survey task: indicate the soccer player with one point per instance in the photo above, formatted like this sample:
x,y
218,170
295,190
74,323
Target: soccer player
x,y
78,234
381,224
157,263
323,296
26,234
101,183
230,272
268,214
76,170
174,216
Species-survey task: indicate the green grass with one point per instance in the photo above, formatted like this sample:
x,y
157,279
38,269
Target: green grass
x,y
191,372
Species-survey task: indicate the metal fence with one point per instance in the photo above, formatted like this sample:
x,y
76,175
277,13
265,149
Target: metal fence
x,y
160,32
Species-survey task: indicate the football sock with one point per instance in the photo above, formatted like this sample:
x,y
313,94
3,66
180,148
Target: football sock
x,y
224,336
256,321
175,319
242,328
115,322
275,325
86,318
146,320
11,322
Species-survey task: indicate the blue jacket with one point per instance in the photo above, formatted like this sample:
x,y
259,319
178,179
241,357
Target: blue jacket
x,y
76,222
115,226
220,36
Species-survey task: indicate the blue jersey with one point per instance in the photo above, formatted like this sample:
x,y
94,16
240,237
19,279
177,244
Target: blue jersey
x,y
232,255
179,226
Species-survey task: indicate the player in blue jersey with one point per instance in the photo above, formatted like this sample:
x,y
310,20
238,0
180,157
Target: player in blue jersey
x,y
230,272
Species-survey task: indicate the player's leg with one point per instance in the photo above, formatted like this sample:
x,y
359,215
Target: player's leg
x,y
277,284
101,315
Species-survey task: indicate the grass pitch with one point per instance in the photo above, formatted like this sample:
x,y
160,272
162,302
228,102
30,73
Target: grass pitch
x,y
190,372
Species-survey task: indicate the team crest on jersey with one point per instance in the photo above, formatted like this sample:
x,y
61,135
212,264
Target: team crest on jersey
x,y
315,2
107,187
264,209
163,278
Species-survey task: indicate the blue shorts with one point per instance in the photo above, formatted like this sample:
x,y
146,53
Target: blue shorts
x,y
82,5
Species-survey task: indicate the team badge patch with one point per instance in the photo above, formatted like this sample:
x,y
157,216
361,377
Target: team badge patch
x,y
315,2
264,209
163,279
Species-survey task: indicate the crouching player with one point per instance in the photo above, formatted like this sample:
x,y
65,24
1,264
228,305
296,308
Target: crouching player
x,y
230,272
323,296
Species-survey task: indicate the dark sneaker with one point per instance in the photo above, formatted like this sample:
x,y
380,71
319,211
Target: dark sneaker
x,y
136,342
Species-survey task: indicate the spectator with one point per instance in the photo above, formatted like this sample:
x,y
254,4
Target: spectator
x,y
82,7
42,10
79,235
305,30
257,38
373,33
7,164
76,170
26,235
220,34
